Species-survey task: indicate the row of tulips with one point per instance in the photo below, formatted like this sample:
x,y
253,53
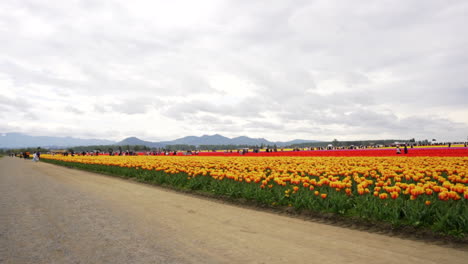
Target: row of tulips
x,y
421,191
436,151
415,152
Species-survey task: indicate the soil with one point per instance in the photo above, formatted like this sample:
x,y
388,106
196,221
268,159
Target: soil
x,y
53,214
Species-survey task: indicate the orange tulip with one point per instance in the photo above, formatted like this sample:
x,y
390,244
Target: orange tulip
x,y
383,196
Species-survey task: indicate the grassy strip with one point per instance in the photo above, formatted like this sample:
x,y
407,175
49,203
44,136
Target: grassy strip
x,y
441,217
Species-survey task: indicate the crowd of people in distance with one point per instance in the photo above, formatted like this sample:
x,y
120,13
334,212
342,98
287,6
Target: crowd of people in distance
x,y
125,153
26,155
405,149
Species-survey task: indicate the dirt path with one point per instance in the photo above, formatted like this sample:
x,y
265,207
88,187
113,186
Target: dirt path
x,y
51,214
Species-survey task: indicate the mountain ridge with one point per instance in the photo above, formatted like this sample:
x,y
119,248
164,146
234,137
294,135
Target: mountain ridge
x,y
216,139
20,140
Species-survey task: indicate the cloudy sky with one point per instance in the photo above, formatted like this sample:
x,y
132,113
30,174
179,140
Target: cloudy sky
x,y
281,70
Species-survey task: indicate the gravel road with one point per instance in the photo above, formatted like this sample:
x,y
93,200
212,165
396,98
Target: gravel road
x,y
51,214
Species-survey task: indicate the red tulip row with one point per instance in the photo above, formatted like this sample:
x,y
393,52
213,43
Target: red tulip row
x,y
416,152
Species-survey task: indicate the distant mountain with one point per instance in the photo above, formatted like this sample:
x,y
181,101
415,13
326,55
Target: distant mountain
x,y
299,141
221,140
19,140
250,141
203,140
136,141
132,141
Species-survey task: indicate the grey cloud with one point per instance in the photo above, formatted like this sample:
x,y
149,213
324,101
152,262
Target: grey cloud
x,y
373,123
23,76
73,131
180,111
324,107
17,107
74,110
30,116
397,47
129,106
405,128
263,125
16,104
5,128
409,54
100,108
214,120
433,124
367,118
312,130
132,106
97,50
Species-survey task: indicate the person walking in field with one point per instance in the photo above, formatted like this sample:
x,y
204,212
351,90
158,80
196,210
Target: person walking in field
x,y
35,157
405,149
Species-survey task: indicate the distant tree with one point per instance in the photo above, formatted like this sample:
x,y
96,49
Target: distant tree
x,y
335,142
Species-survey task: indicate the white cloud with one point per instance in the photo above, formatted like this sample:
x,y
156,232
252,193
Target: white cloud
x,y
274,69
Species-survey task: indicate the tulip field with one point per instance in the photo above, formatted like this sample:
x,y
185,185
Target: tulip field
x,y
426,192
